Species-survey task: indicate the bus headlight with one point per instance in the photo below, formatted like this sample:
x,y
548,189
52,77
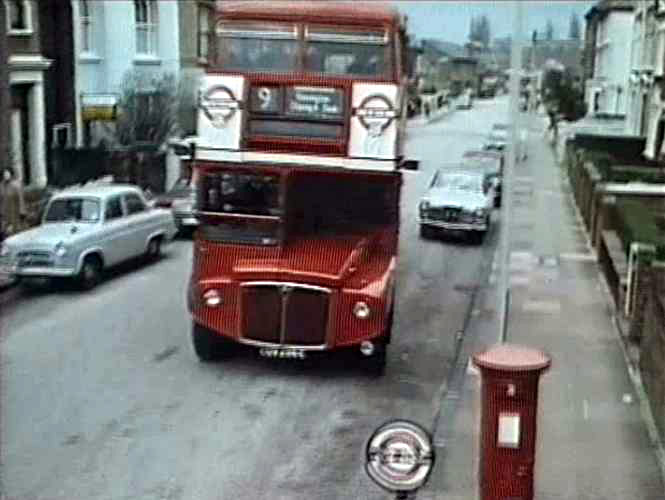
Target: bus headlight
x,y
361,310
212,298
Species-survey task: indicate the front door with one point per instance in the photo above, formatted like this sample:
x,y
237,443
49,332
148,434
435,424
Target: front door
x,y
138,222
114,232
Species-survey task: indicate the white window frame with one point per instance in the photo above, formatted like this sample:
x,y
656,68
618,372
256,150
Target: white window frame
x,y
27,9
147,27
203,30
86,25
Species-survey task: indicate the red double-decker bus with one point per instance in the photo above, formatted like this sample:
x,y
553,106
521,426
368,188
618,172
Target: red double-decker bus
x,y
298,163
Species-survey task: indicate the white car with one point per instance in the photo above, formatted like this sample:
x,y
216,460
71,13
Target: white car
x,y
85,230
458,200
498,139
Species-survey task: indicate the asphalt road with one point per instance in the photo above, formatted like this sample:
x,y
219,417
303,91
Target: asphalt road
x,y
102,397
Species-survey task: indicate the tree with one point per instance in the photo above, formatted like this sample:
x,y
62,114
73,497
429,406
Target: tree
x,y
473,30
549,30
484,31
575,30
148,109
479,30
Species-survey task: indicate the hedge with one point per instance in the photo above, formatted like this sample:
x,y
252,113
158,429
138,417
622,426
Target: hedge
x,y
636,223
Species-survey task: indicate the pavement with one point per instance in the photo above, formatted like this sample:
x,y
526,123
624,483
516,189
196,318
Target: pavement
x,y
593,438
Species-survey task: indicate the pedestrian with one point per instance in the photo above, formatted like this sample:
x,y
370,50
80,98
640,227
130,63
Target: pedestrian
x,y
12,206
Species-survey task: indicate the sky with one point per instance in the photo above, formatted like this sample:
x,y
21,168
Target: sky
x,y
450,20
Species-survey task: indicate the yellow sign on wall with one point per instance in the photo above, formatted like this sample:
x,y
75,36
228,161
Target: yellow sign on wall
x,y
99,107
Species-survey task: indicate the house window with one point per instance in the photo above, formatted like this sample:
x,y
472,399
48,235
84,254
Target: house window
x,y
19,19
146,26
86,26
204,33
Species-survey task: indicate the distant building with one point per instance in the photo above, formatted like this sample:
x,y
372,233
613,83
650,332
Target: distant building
x,y
607,56
57,43
26,118
647,77
112,37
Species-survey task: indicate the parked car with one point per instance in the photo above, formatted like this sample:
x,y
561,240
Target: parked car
x,y
86,230
497,140
181,200
491,163
458,199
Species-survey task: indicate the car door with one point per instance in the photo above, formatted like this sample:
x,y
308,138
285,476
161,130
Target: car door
x,y
114,229
138,223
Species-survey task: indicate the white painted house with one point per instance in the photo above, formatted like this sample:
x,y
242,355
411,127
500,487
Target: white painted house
x,y
607,92
112,37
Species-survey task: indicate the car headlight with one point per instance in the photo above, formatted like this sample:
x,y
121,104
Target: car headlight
x,y
4,250
60,249
361,310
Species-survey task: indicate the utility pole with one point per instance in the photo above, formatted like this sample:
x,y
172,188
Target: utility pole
x,y
509,167
4,88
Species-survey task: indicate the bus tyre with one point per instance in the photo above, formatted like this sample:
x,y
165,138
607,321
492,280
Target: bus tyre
x,y
378,360
208,346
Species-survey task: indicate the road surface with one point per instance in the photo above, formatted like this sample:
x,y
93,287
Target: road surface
x,y
102,397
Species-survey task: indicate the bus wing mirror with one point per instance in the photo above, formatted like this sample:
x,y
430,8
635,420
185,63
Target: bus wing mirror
x,y
410,165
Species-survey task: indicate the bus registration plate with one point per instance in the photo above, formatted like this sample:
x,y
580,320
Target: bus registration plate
x,y
272,352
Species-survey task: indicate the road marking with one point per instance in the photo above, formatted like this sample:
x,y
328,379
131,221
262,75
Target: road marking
x,y
519,280
578,257
542,306
585,409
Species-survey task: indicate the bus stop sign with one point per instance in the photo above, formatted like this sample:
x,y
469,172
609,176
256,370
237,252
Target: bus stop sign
x,y
400,456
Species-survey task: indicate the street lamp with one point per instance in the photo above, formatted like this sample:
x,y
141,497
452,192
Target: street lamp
x,y
516,64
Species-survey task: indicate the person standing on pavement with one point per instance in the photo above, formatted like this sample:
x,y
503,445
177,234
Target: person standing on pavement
x,y
12,206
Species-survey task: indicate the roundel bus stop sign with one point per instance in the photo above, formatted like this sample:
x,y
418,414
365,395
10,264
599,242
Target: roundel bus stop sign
x,y
400,457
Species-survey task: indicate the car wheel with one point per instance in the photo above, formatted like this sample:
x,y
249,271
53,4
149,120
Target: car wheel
x,y
477,237
154,250
425,231
91,272
208,345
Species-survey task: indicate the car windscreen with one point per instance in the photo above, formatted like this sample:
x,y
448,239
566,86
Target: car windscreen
x,y
73,209
459,182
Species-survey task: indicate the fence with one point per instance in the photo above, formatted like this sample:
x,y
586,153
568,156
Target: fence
x,y
652,348
77,166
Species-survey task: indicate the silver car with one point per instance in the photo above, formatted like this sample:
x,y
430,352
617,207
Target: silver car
x,y
457,200
84,230
498,139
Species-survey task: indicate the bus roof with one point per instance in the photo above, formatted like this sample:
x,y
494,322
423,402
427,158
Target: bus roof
x,y
343,12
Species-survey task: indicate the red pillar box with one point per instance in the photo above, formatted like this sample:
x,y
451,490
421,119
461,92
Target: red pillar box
x,y
510,376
